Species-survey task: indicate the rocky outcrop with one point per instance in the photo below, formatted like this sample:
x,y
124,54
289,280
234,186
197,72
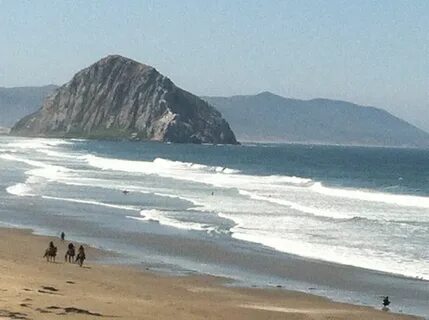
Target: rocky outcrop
x,y
120,98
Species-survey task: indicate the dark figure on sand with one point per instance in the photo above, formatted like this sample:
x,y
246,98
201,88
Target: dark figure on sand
x,y
51,252
80,256
63,236
70,253
386,303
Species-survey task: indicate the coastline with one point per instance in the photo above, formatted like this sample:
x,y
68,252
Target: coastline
x,y
34,289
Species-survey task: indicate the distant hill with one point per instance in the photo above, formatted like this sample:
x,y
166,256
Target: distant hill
x,y
16,103
267,117
119,98
4,130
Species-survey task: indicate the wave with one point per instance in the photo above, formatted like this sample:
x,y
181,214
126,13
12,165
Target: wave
x,y
212,175
373,196
109,185
365,258
231,178
56,154
39,143
42,174
93,202
78,140
298,207
45,170
20,190
165,163
162,218
284,235
158,165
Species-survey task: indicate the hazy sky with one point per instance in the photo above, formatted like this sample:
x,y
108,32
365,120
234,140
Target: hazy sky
x,y
369,52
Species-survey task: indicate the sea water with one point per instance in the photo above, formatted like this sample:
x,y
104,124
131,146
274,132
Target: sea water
x,y
358,206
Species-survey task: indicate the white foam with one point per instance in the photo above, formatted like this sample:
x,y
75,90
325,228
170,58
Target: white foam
x,y
20,189
42,174
216,176
165,163
298,207
373,196
230,178
38,143
162,218
57,154
78,140
156,166
274,233
93,202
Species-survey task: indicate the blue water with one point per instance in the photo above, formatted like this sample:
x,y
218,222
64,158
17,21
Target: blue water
x,y
365,207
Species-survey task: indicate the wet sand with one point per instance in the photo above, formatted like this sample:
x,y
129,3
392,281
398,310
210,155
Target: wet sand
x,y
32,288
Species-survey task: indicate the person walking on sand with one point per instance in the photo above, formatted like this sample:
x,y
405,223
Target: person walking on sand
x,y
70,253
80,256
63,236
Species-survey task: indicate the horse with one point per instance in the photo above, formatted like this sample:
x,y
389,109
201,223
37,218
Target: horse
x,y
70,253
50,254
80,258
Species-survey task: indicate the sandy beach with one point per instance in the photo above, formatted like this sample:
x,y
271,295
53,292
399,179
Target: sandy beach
x,y
32,288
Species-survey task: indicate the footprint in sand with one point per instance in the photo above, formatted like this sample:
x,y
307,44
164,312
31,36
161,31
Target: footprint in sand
x,y
71,310
50,288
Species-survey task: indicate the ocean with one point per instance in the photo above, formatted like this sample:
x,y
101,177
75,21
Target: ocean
x,y
250,212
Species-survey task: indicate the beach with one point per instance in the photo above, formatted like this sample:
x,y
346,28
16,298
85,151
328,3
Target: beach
x,y
32,288
280,217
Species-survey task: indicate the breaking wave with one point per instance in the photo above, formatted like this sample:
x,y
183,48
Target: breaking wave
x,y
163,218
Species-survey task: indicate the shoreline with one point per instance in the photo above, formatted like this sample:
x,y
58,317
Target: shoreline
x,y
121,291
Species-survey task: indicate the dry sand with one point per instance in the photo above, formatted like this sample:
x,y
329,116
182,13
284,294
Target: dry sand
x,y
31,288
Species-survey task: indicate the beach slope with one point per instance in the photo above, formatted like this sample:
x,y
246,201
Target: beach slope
x,y
31,288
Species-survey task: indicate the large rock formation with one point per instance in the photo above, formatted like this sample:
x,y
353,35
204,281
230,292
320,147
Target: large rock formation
x,y
120,98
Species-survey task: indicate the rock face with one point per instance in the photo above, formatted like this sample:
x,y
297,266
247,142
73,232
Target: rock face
x,y
120,98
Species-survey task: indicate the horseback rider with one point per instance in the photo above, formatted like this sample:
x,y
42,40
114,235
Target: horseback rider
x,y
80,255
70,253
51,252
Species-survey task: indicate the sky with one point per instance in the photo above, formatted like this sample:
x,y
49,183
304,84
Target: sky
x,y
368,52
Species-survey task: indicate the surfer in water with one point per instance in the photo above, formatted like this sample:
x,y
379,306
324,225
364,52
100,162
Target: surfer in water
x,y
125,192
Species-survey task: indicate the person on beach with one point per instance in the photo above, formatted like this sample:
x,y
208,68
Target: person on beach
x,y
63,236
386,303
70,253
80,256
51,252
